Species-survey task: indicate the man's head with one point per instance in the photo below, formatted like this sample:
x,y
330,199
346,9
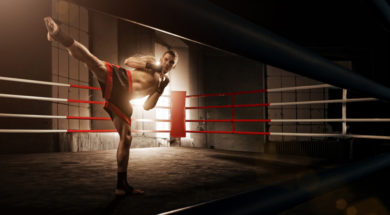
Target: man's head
x,y
169,60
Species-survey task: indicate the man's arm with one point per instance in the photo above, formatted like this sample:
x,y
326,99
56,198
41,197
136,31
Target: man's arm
x,y
139,62
151,101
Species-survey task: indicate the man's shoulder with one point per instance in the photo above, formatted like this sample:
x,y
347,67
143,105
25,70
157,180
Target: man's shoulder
x,y
149,57
141,55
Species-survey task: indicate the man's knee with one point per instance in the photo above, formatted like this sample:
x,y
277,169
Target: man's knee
x,y
126,139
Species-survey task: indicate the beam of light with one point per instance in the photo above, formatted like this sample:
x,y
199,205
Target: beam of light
x,y
188,135
138,102
113,134
163,114
164,101
143,120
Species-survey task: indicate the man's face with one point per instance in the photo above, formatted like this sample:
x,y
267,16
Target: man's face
x,y
167,61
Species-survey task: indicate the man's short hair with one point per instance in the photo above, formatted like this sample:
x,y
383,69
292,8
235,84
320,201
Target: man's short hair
x,y
174,54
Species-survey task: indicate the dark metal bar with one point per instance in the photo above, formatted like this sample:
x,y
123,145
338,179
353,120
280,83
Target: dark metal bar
x,y
384,8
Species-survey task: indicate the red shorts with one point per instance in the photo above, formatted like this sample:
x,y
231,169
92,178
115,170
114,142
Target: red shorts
x,y
117,92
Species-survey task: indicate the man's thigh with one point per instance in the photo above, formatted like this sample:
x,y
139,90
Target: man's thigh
x,y
123,128
97,66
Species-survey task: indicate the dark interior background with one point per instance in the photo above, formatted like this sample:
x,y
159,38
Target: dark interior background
x,y
349,30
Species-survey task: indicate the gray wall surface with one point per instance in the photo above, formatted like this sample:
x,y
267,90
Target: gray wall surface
x,y
74,21
221,73
113,41
104,45
278,78
201,70
28,56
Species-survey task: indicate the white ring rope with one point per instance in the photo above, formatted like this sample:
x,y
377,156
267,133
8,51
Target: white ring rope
x,y
323,101
31,116
33,98
333,120
3,78
271,133
344,101
33,81
369,136
305,134
149,120
31,131
308,87
270,104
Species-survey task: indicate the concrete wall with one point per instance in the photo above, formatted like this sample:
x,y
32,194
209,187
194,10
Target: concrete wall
x,y
196,87
204,70
316,146
88,28
115,40
223,72
66,69
136,40
104,45
25,53
278,78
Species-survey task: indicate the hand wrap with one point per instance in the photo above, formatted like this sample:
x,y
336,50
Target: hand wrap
x,y
154,67
163,83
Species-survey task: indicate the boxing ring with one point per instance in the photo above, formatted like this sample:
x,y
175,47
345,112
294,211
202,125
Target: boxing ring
x,y
178,108
255,43
270,195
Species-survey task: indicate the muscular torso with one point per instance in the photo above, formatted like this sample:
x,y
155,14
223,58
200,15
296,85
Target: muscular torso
x,y
144,83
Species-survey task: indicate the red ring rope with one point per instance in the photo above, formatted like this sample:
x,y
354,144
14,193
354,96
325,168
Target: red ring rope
x,y
84,87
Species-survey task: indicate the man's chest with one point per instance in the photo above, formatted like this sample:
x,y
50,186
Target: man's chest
x,y
145,78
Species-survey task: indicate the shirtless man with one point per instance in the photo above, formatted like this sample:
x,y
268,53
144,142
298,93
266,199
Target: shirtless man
x,y
119,86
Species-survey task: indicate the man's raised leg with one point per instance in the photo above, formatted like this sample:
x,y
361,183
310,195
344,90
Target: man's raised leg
x,y
123,152
76,49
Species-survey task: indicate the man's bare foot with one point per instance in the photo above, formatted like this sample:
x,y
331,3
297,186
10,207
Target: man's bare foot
x,y
120,192
54,33
52,28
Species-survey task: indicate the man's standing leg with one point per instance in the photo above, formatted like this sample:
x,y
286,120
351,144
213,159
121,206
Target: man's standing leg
x,y
123,152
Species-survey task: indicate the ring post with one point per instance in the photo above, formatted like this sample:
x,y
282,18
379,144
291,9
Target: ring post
x,y
178,114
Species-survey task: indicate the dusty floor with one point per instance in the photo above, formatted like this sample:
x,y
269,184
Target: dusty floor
x,y
174,177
